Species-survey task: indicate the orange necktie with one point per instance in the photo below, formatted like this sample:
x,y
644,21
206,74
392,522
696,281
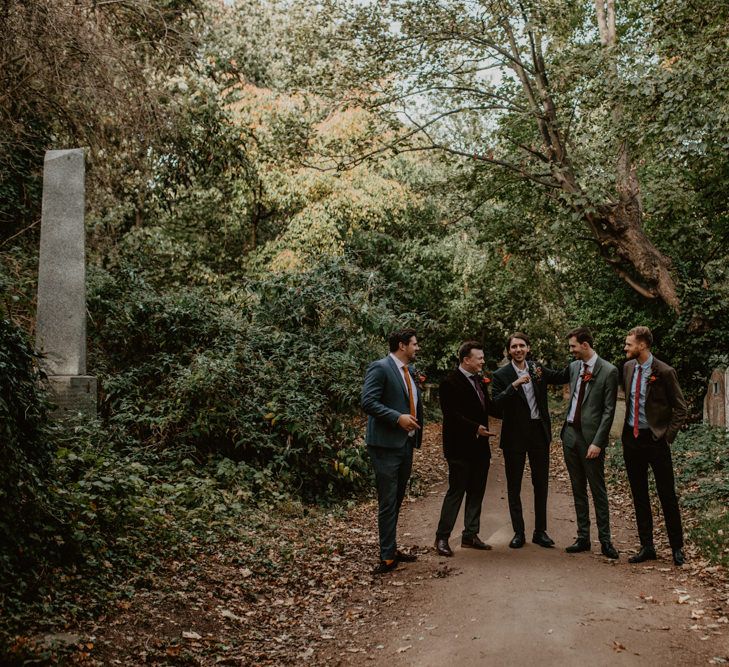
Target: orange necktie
x,y
410,390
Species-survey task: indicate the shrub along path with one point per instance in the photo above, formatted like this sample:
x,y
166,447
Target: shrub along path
x,y
295,587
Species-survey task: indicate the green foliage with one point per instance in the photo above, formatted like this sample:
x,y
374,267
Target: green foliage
x,y
701,457
26,448
269,374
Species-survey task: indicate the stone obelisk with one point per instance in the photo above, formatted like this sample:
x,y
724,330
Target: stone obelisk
x,y
61,316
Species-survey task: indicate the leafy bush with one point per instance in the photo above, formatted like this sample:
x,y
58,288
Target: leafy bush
x,y
701,456
269,374
25,447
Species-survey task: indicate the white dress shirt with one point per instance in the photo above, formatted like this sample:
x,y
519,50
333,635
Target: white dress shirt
x,y
573,401
528,390
400,366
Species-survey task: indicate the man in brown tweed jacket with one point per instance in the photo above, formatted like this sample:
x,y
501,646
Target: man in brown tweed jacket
x,y
655,411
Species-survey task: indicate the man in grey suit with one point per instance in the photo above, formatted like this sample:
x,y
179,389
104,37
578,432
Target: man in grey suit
x,y
392,400
585,434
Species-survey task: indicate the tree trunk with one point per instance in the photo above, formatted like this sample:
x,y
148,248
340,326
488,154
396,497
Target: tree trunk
x,y
620,232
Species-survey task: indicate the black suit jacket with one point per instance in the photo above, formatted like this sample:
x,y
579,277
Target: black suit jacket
x,y
513,407
462,415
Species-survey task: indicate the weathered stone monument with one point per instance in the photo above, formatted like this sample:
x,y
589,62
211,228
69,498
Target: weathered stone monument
x,y
716,401
61,316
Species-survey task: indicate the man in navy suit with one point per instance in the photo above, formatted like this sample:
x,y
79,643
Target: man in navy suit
x,y
391,398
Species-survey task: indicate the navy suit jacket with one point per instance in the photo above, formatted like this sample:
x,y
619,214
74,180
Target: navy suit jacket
x,y
384,399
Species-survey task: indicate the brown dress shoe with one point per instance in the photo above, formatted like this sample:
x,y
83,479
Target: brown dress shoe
x,y
474,542
442,547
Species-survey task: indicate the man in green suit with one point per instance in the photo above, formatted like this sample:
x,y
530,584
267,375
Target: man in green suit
x,y
585,435
392,399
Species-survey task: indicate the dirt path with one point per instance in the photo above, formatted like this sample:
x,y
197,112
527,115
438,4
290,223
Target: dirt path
x,y
536,605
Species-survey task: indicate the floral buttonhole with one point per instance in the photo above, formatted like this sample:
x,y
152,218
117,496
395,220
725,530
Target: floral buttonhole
x,y
587,377
485,380
652,379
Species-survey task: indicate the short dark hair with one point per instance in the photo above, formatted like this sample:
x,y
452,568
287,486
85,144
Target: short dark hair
x,y
516,334
466,347
582,334
402,336
642,334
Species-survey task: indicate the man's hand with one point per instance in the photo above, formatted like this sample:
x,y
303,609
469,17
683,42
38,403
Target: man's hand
x,y
524,379
407,423
593,451
483,431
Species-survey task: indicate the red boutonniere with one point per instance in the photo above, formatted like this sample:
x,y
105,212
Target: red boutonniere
x,y
587,377
652,379
485,380
535,371
422,378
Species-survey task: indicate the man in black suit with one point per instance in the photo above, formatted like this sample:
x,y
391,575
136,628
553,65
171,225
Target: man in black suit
x,y
520,397
464,401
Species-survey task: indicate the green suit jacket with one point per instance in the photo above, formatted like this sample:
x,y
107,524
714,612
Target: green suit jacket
x,y
598,403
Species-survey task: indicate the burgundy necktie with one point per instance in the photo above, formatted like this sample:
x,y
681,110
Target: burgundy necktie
x,y
577,419
479,391
636,403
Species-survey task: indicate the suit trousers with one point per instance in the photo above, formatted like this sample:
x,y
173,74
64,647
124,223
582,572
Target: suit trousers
x,y
584,471
392,468
641,453
465,477
514,462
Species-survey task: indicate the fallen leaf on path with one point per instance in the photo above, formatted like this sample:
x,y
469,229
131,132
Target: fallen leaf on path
x,y
618,647
697,613
190,635
683,599
402,649
226,613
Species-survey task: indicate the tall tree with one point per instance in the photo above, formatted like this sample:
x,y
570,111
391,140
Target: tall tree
x,y
543,89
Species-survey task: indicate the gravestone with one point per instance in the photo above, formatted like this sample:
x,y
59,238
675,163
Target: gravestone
x,y
61,315
716,401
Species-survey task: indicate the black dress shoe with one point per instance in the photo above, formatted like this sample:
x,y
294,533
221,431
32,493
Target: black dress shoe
x,y
474,542
580,544
384,567
542,539
518,541
442,547
609,550
402,557
645,553
678,558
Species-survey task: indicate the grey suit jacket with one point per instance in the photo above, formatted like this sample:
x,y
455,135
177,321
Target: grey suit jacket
x,y
384,399
665,406
598,403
